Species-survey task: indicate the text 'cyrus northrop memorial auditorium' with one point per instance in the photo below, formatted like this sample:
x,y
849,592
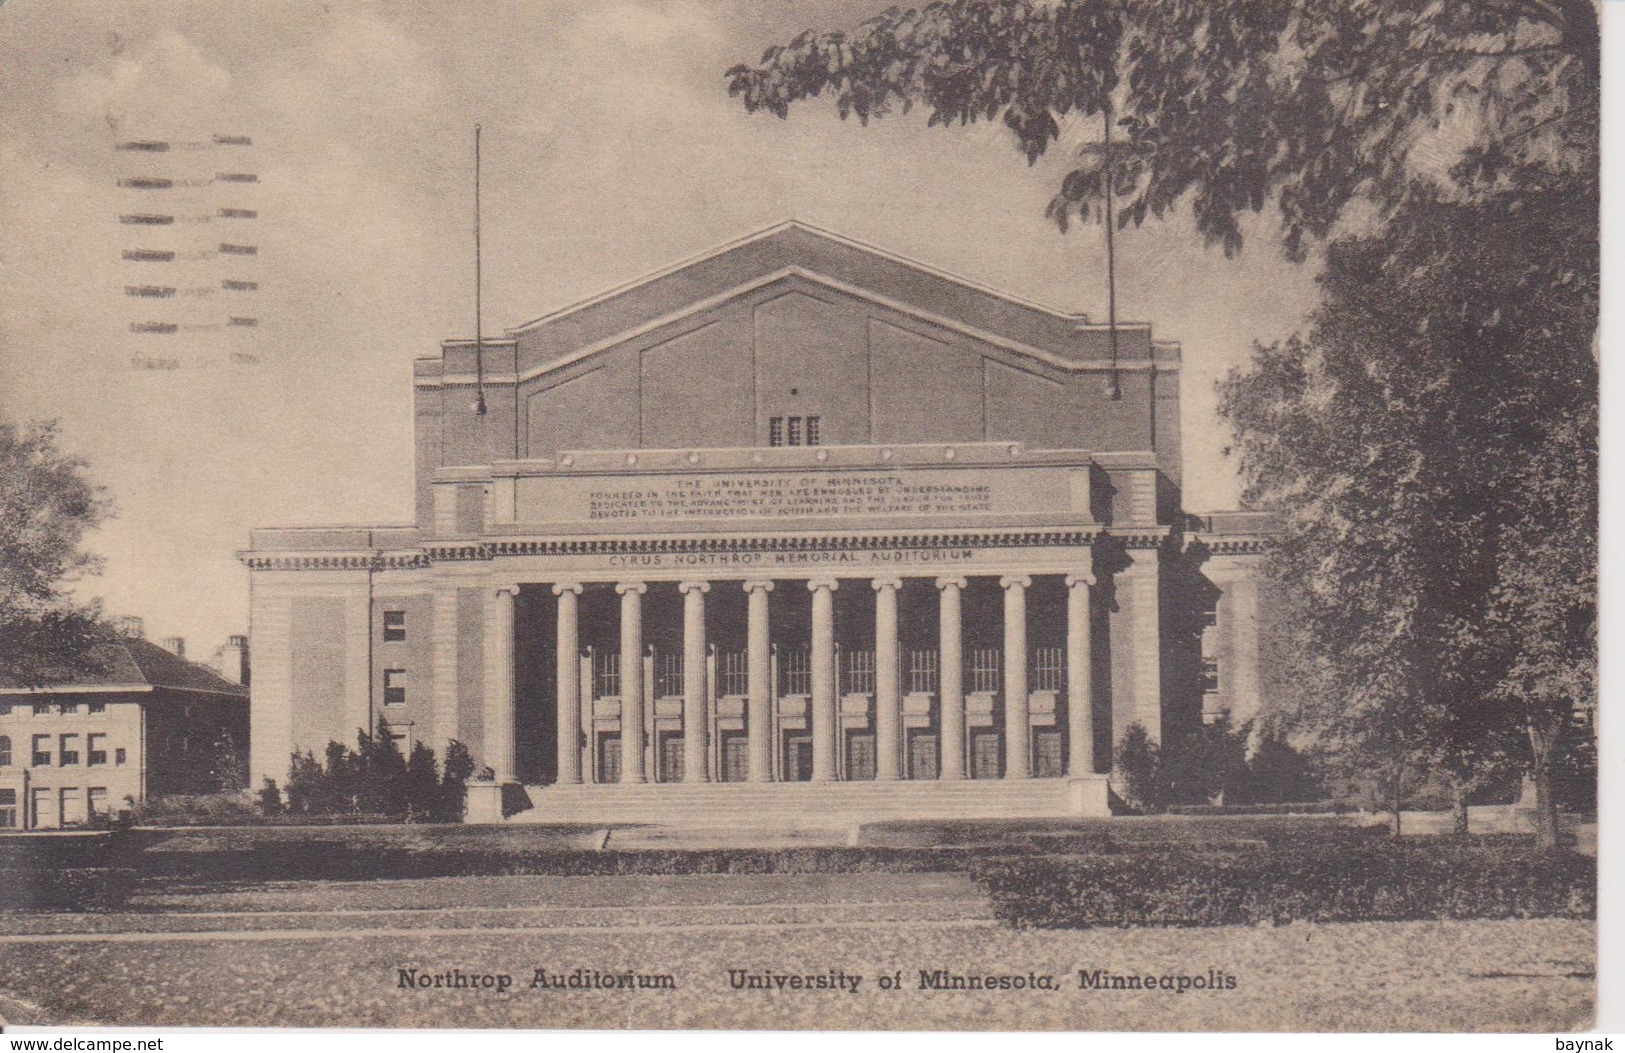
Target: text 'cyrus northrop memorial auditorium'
x,y
798,527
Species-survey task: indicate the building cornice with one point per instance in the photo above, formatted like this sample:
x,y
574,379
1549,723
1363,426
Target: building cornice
x,y
487,550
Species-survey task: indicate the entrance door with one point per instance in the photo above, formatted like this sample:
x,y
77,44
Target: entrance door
x,y
735,758
609,758
798,758
44,810
984,755
922,756
860,757
1047,760
671,758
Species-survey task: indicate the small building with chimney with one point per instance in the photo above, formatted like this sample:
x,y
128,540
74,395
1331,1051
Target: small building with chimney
x,y
150,723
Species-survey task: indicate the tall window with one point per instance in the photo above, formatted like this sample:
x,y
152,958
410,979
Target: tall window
x,y
69,753
394,625
5,751
1210,675
394,687
812,431
41,753
794,434
96,749
8,809
775,431
98,800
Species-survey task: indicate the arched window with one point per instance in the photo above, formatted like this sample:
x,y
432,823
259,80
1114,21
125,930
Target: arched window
x,y
5,751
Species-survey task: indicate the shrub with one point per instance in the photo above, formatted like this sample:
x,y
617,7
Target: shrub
x,y
206,809
1336,879
1139,767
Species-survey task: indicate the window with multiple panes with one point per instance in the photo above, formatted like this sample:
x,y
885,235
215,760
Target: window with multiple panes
x,y
8,809
922,672
5,751
42,709
668,674
118,755
98,800
394,687
985,668
857,672
1048,669
96,749
734,672
69,752
794,431
606,674
795,671
68,707
1210,674
394,625
41,753
96,708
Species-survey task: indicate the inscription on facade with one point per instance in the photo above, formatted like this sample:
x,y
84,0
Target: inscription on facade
x,y
787,495
758,496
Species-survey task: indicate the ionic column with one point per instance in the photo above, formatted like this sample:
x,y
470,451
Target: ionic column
x,y
1080,714
632,680
951,679
568,658
823,678
759,683
499,689
695,731
1017,724
888,709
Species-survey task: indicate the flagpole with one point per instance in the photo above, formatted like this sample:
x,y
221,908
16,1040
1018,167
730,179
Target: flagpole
x,y
479,332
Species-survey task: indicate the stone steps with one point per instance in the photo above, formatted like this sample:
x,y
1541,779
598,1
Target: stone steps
x,y
813,806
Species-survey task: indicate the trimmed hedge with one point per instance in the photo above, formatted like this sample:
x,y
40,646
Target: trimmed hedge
x,y
1310,880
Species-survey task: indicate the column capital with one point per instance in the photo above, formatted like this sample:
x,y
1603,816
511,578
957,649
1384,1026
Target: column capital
x,y
758,584
1015,581
1082,577
511,589
693,586
824,582
562,587
951,583
893,582
625,587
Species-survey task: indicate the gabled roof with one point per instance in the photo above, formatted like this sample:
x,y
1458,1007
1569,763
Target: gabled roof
x,y
799,251
131,664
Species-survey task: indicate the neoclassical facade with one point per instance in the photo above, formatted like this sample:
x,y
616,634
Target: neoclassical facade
x,y
797,527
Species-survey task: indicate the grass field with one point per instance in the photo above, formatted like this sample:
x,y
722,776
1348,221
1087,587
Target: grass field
x,y
340,966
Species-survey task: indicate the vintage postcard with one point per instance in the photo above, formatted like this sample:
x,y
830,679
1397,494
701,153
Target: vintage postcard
x,y
1000,515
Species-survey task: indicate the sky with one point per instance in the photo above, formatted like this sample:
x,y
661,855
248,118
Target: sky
x,y
610,149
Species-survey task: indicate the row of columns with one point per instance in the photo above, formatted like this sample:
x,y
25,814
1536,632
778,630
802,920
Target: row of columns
x,y
759,705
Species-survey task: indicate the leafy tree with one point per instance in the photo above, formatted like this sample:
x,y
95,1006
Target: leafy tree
x,y
1279,773
1206,765
422,783
1311,104
47,505
1431,446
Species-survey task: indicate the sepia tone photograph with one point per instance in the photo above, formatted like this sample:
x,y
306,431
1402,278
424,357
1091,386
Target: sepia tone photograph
x,y
1013,515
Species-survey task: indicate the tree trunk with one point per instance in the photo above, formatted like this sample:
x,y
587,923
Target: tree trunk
x,y
1458,808
1542,740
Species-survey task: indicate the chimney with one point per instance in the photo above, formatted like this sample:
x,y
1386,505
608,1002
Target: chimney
x,y
175,645
131,628
231,661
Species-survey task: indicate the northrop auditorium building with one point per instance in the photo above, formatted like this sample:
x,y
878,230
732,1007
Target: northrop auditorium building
x,y
797,528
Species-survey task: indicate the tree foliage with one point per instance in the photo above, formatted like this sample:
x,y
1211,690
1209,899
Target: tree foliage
x,y
1311,104
47,505
1431,446
374,779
